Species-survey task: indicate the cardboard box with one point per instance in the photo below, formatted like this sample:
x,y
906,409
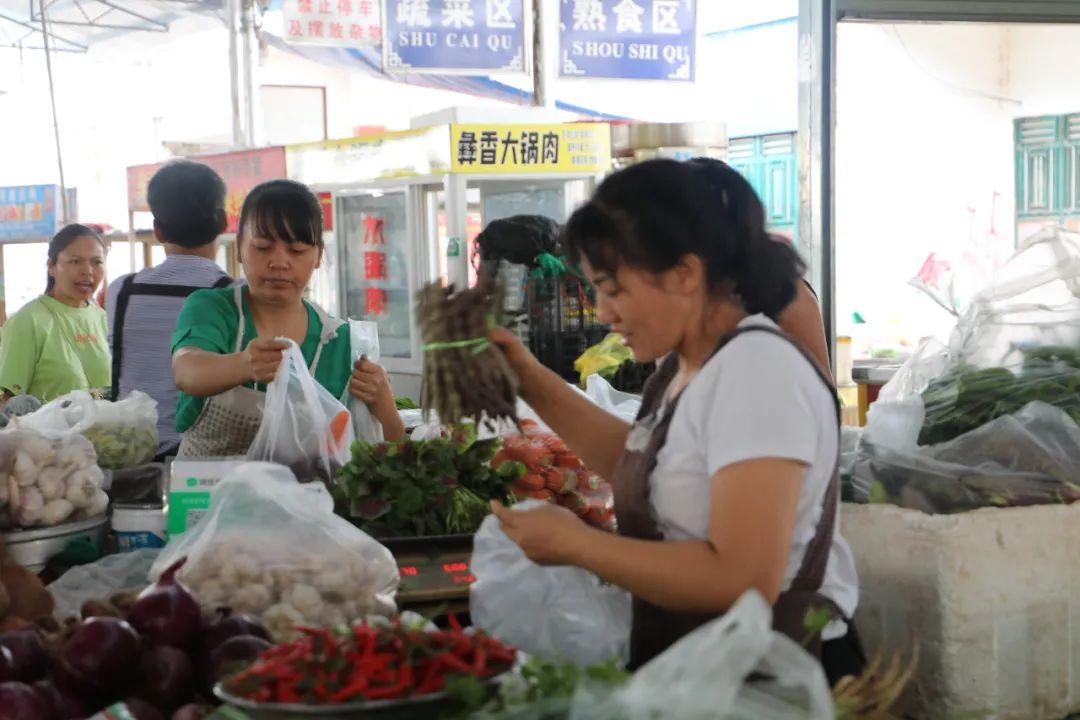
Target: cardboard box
x,y
191,489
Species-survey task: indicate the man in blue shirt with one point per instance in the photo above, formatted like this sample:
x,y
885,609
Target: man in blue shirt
x,y
187,200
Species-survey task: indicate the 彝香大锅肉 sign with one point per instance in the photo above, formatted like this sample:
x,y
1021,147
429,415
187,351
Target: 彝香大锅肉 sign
x,y
529,149
455,36
628,39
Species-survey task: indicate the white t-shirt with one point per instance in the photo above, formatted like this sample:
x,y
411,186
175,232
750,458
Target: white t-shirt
x,y
756,398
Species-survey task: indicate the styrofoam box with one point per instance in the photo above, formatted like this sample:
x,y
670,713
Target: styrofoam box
x,y
993,597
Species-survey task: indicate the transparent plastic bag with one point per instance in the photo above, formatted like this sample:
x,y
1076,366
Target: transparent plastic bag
x,y
48,479
1018,342
124,433
624,406
1031,457
364,342
563,613
273,548
304,426
705,676
101,579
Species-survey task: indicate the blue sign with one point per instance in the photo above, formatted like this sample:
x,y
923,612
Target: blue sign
x,y
454,36
29,211
627,39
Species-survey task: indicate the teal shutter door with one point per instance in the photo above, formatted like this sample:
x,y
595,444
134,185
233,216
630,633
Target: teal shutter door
x,y
1038,156
768,162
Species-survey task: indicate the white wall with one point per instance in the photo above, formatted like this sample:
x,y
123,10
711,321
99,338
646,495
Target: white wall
x,y
923,152
924,144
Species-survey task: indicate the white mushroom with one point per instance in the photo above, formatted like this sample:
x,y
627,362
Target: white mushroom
x,y
98,504
254,598
31,507
75,451
81,488
56,512
26,470
51,483
37,447
281,620
306,599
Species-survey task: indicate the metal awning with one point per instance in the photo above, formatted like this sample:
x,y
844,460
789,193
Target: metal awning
x,y
75,25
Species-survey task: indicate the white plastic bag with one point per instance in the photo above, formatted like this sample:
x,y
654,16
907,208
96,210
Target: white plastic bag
x,y
556,612
273,548
304,426
620,404
364,342
124,433
704,676
101,579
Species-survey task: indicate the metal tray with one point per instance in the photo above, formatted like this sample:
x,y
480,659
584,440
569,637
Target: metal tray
x,y
423,707
33,548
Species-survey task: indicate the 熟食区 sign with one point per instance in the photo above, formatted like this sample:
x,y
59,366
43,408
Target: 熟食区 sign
x,y
627,39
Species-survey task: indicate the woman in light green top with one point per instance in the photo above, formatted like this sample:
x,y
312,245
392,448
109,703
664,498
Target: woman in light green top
x,y
59,342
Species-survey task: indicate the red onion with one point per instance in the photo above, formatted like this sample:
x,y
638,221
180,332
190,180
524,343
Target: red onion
x,y
168,676
142,710
20,702
101,655
167,612
29,655
193,712
7,665
234,655
65,705
229,625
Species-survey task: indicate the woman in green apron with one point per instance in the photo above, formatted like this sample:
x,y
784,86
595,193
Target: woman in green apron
x,y
59,342
224,346
728,479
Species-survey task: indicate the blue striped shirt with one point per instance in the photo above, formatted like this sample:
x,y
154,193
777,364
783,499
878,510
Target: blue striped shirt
x,y
148,327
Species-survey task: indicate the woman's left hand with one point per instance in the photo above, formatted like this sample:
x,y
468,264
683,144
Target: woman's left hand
x,y
548,535
370,385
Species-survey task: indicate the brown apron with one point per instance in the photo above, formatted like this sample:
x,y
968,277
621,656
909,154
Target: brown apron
x,y
655,629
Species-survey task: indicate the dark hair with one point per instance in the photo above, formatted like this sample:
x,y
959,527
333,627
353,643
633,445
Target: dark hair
x,y
60,242
282,209
188,202
518,239
652,214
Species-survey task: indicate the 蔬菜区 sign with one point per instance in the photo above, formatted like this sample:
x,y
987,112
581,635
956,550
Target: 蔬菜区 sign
x,y
567,148
455,36
627,39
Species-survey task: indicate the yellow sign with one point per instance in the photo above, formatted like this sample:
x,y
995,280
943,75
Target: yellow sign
x,y
508,149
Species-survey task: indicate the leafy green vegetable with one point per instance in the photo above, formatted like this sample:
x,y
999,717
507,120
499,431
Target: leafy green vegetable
x,y
404,403
420,488
123,445
541,689
966,398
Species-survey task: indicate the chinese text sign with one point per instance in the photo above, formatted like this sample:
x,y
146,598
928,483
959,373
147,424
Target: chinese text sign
x,y
455,36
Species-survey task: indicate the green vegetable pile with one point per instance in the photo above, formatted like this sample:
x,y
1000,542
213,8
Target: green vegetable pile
x,y
123,445
541,690
421,488
966,398
405,403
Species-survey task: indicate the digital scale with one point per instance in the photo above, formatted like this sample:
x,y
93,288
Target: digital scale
x,y
434,572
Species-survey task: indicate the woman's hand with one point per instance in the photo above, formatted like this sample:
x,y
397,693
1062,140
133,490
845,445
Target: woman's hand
x,y
371,385
263,356
521,360
548,535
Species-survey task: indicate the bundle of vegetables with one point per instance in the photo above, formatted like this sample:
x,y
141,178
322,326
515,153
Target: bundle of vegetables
x,y
153,651
46,481
544,468
424,487
966,398
465,376
368,663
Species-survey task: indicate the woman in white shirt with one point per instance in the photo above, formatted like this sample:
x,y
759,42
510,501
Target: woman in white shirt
x,y
728,480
